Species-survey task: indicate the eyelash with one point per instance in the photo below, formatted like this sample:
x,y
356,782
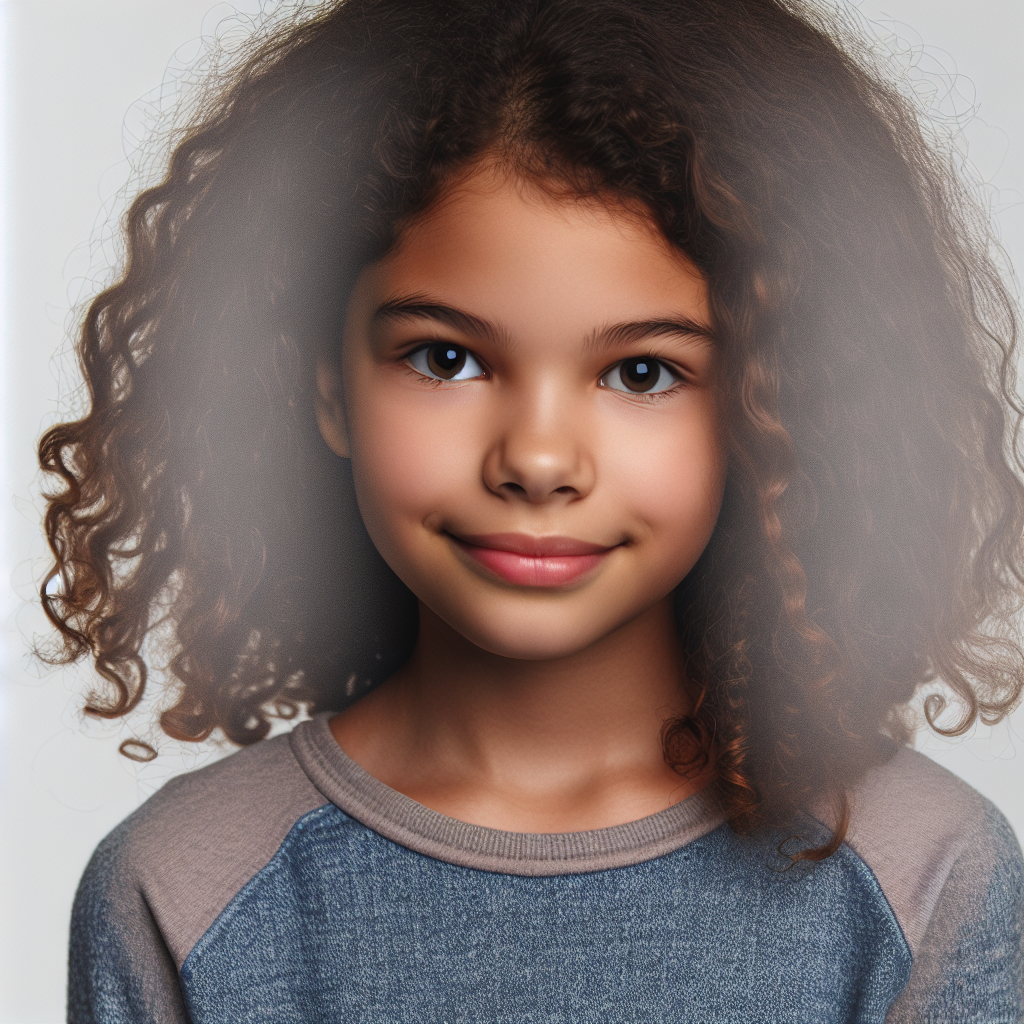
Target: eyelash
x,y
423,352
642,364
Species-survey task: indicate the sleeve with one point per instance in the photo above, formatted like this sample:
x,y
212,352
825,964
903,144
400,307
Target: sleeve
x,y
969,965
120,970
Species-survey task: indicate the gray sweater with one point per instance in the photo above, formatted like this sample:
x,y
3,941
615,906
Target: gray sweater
x,y
284,883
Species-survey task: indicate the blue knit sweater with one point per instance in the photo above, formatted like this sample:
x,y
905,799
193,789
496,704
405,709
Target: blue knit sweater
x,y
286,884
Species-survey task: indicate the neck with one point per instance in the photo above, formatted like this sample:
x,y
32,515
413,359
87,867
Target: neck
x,y
532,746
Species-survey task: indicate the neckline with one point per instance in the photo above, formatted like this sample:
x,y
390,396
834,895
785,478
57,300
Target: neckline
x,y
410,824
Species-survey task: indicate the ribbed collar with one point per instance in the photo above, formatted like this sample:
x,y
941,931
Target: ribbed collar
x,y
410,824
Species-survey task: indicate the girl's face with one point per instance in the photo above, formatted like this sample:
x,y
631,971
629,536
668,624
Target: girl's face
x,y
528,398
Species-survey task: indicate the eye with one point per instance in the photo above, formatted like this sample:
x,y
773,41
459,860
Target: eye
x,y
642,375
444,361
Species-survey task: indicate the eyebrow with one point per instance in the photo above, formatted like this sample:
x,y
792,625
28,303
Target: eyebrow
x,y
421,308
636,330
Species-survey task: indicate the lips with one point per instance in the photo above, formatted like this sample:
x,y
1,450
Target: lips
x,y
527,561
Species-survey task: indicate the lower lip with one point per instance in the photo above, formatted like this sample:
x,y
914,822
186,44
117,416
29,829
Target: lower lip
x,y
533,570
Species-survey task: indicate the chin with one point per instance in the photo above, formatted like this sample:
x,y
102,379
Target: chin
x,y
540,638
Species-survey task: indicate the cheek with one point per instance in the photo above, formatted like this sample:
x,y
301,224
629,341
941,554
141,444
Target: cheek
x,y
670,474
408,452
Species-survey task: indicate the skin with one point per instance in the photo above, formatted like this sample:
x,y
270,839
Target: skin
x,y
530,708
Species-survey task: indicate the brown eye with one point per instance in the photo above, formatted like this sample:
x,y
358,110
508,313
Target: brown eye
x,y
640,375
445,361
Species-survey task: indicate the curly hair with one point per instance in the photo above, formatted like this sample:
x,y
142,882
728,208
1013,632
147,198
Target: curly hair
x,y
870,540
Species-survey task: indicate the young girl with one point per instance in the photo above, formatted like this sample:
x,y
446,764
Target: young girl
x,y
600,416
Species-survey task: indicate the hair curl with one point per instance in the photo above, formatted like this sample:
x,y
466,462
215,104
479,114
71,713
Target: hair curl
x,y
870,538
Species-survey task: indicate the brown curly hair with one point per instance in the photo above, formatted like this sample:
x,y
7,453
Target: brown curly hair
x,y
871,536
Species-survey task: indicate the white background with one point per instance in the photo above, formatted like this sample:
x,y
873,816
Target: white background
x,y
72,70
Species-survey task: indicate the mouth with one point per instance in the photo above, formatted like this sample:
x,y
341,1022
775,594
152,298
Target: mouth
x,y
526,561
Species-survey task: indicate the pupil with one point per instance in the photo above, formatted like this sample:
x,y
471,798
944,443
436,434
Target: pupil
x,y
446,360
639,374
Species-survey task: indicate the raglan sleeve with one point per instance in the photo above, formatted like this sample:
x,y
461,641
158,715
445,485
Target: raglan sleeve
x,y
120,969
969,965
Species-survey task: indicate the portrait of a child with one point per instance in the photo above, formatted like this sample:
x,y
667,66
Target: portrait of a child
x,y
570,449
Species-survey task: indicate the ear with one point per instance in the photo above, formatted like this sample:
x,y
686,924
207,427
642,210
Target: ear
x,y
330,407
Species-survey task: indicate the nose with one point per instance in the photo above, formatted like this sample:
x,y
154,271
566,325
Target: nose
x,y
540,455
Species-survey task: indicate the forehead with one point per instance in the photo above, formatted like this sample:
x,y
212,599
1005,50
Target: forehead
x,y
506,249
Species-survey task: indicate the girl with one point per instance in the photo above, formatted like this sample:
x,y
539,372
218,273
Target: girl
x,y
600,417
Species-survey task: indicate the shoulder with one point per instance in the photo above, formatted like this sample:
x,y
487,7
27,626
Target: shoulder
x,y
188,850
920,829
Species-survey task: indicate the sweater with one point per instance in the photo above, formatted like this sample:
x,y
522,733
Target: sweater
x,y
286,884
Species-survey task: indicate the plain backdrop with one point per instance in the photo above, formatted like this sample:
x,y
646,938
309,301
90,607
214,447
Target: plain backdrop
x,y
73,73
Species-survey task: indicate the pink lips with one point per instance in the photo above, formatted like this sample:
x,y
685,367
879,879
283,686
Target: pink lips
x,y
532,561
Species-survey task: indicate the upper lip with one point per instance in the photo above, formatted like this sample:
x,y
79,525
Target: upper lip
x,y
524,544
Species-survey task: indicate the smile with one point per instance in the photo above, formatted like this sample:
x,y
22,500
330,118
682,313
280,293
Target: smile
x,y
527,561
